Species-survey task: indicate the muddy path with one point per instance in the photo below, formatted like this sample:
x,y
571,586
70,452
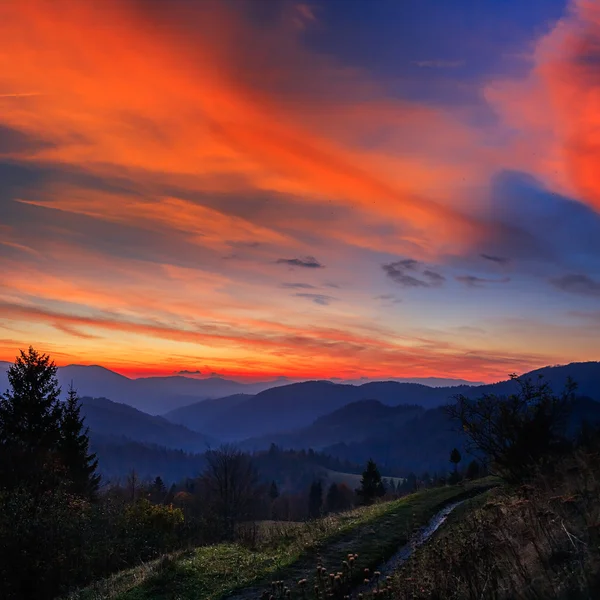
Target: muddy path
x,y
305,567
419,537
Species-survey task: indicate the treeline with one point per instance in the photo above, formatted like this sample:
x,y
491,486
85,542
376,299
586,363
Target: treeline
x,y
294,470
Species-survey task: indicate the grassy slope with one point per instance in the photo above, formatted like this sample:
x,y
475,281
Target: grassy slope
x,y
287,553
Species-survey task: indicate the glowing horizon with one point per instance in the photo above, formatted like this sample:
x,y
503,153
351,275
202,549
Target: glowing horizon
x,y
237,187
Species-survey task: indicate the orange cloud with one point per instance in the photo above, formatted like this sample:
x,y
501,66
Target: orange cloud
x,y
144,93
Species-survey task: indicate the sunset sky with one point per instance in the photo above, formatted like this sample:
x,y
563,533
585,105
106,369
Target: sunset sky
x,y
337,188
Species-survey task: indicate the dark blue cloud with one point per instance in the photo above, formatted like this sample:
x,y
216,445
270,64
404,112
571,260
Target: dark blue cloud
x,y
531,224
577,283
412,274
307,262
321,299
474,281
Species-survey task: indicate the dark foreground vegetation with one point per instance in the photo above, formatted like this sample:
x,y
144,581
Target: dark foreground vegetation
x,y
538,537
233,531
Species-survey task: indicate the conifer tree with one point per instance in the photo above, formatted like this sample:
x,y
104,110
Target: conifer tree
x,y
334,499
158,491
455,458
315,499
371,486
273,491
73,447
30,419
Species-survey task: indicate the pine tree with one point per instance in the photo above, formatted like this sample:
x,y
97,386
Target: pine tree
x,y
158,491
315,499
334,500
273,491
73,447
30,419
371,486
455,458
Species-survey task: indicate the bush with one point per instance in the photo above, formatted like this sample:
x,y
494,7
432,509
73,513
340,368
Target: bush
x,y
57,541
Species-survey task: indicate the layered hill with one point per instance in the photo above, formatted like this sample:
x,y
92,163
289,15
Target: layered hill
x,y
107,419
290,408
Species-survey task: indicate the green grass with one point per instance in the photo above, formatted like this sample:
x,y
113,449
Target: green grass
x,y
284,552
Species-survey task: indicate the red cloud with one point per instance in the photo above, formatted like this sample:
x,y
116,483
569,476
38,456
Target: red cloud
x,y
556,108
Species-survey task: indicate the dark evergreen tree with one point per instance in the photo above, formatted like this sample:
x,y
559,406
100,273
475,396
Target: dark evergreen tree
x,y
30,419
371,486
455,458
315,499
273,491
74,449
334,499
158,491
409,485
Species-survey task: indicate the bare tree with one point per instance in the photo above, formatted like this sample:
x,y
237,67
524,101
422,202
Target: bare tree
x,y
231,488
518,433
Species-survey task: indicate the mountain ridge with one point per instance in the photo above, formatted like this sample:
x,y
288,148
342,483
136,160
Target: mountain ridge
x,y
291,407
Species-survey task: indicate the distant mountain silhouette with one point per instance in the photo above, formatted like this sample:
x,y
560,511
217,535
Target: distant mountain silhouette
x,y
428,381
158,395
207,412
354,422
289,408
153,395
107,418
